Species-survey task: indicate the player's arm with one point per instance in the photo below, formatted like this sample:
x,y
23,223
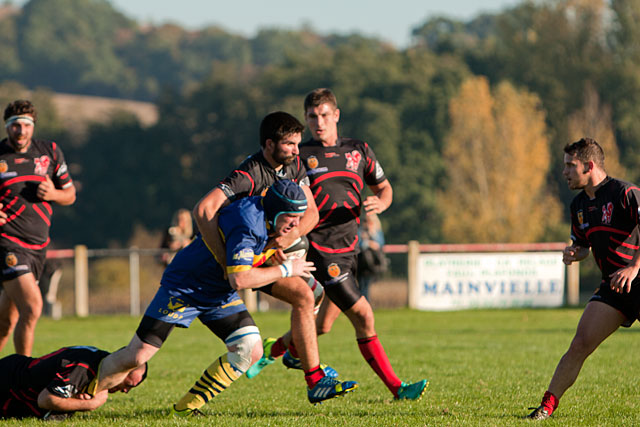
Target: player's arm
x,y
53,402
205,214
256,277
48,192
381,199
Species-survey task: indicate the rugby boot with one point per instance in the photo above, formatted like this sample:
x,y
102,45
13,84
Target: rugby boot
x,y
185,413
540,413
328,388
264,361
412,391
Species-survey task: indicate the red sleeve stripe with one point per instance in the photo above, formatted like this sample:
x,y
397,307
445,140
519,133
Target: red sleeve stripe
x,y
345,174
349,248
25,244
626,245
55,155
45,357
324,218
624,201
614,263
63,177
42,215
253,184
36,178
621,255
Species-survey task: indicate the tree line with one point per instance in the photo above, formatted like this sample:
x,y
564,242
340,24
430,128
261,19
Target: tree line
x,y
469,121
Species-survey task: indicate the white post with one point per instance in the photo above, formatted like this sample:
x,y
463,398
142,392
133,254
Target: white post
x,y
134,280
81,267
573,284
413,254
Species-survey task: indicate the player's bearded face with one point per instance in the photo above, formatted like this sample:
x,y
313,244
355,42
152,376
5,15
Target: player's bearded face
x,y
286,150
19,134
575,172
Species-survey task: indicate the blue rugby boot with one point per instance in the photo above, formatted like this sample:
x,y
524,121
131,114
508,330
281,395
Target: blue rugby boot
x,y
328,388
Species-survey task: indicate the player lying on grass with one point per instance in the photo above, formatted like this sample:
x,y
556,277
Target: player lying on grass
x,y
56,385
194,285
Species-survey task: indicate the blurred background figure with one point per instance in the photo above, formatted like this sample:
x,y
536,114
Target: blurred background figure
x,y
178,235
372,263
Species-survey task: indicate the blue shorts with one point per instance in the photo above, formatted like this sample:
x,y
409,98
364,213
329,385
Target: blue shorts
x,y
180,308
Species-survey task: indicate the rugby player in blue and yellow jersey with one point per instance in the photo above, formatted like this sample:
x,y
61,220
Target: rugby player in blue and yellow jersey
x,y
194,285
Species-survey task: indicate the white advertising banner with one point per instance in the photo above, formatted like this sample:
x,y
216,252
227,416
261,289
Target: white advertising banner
x,y
456,281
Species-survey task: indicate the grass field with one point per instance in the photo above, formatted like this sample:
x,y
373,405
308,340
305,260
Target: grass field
x,y
485,367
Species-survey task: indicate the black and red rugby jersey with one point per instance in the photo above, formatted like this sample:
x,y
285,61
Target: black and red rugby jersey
x,y
29,218
338,176
255,175
65,373
608,224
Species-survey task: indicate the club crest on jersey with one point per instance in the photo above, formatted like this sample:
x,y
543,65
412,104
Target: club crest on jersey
x,y
353,160
3,166
333,269
607,212
11,260
312,162
42,164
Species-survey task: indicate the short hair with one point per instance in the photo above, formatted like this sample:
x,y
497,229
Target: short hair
x,y
19,107
277,125
318,97
585,150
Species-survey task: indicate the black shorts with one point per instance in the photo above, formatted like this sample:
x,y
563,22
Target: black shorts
x,y
16,262
627,304
155,332
337,273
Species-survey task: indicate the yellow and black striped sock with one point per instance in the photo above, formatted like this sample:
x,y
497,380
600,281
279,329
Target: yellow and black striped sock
x,y
213,381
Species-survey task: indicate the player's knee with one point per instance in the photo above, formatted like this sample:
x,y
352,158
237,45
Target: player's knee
x,y
245,347
323,327
580,346
7,324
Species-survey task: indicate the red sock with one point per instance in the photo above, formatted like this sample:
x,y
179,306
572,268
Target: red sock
x,y
550,402
292,350
375,356
278,348
313,375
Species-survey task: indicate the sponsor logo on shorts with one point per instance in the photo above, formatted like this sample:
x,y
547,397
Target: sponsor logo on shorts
x,y
15,269
175,306
333,269
3,166
11,260
312,162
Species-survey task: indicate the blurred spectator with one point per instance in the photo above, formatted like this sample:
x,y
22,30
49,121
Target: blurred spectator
x,y
178,235
372,262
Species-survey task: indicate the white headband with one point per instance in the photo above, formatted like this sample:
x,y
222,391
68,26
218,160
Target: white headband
x,y
23,118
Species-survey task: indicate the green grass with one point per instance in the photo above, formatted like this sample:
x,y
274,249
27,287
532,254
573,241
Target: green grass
x,y
485,367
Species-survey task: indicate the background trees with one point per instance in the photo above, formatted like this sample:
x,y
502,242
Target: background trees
x,y
469,121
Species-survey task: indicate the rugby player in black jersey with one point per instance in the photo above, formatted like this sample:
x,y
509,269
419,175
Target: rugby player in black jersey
x,y
56,385
604,218
33,174
339,168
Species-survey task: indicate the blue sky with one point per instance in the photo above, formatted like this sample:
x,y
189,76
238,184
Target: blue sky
x,y
390,20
